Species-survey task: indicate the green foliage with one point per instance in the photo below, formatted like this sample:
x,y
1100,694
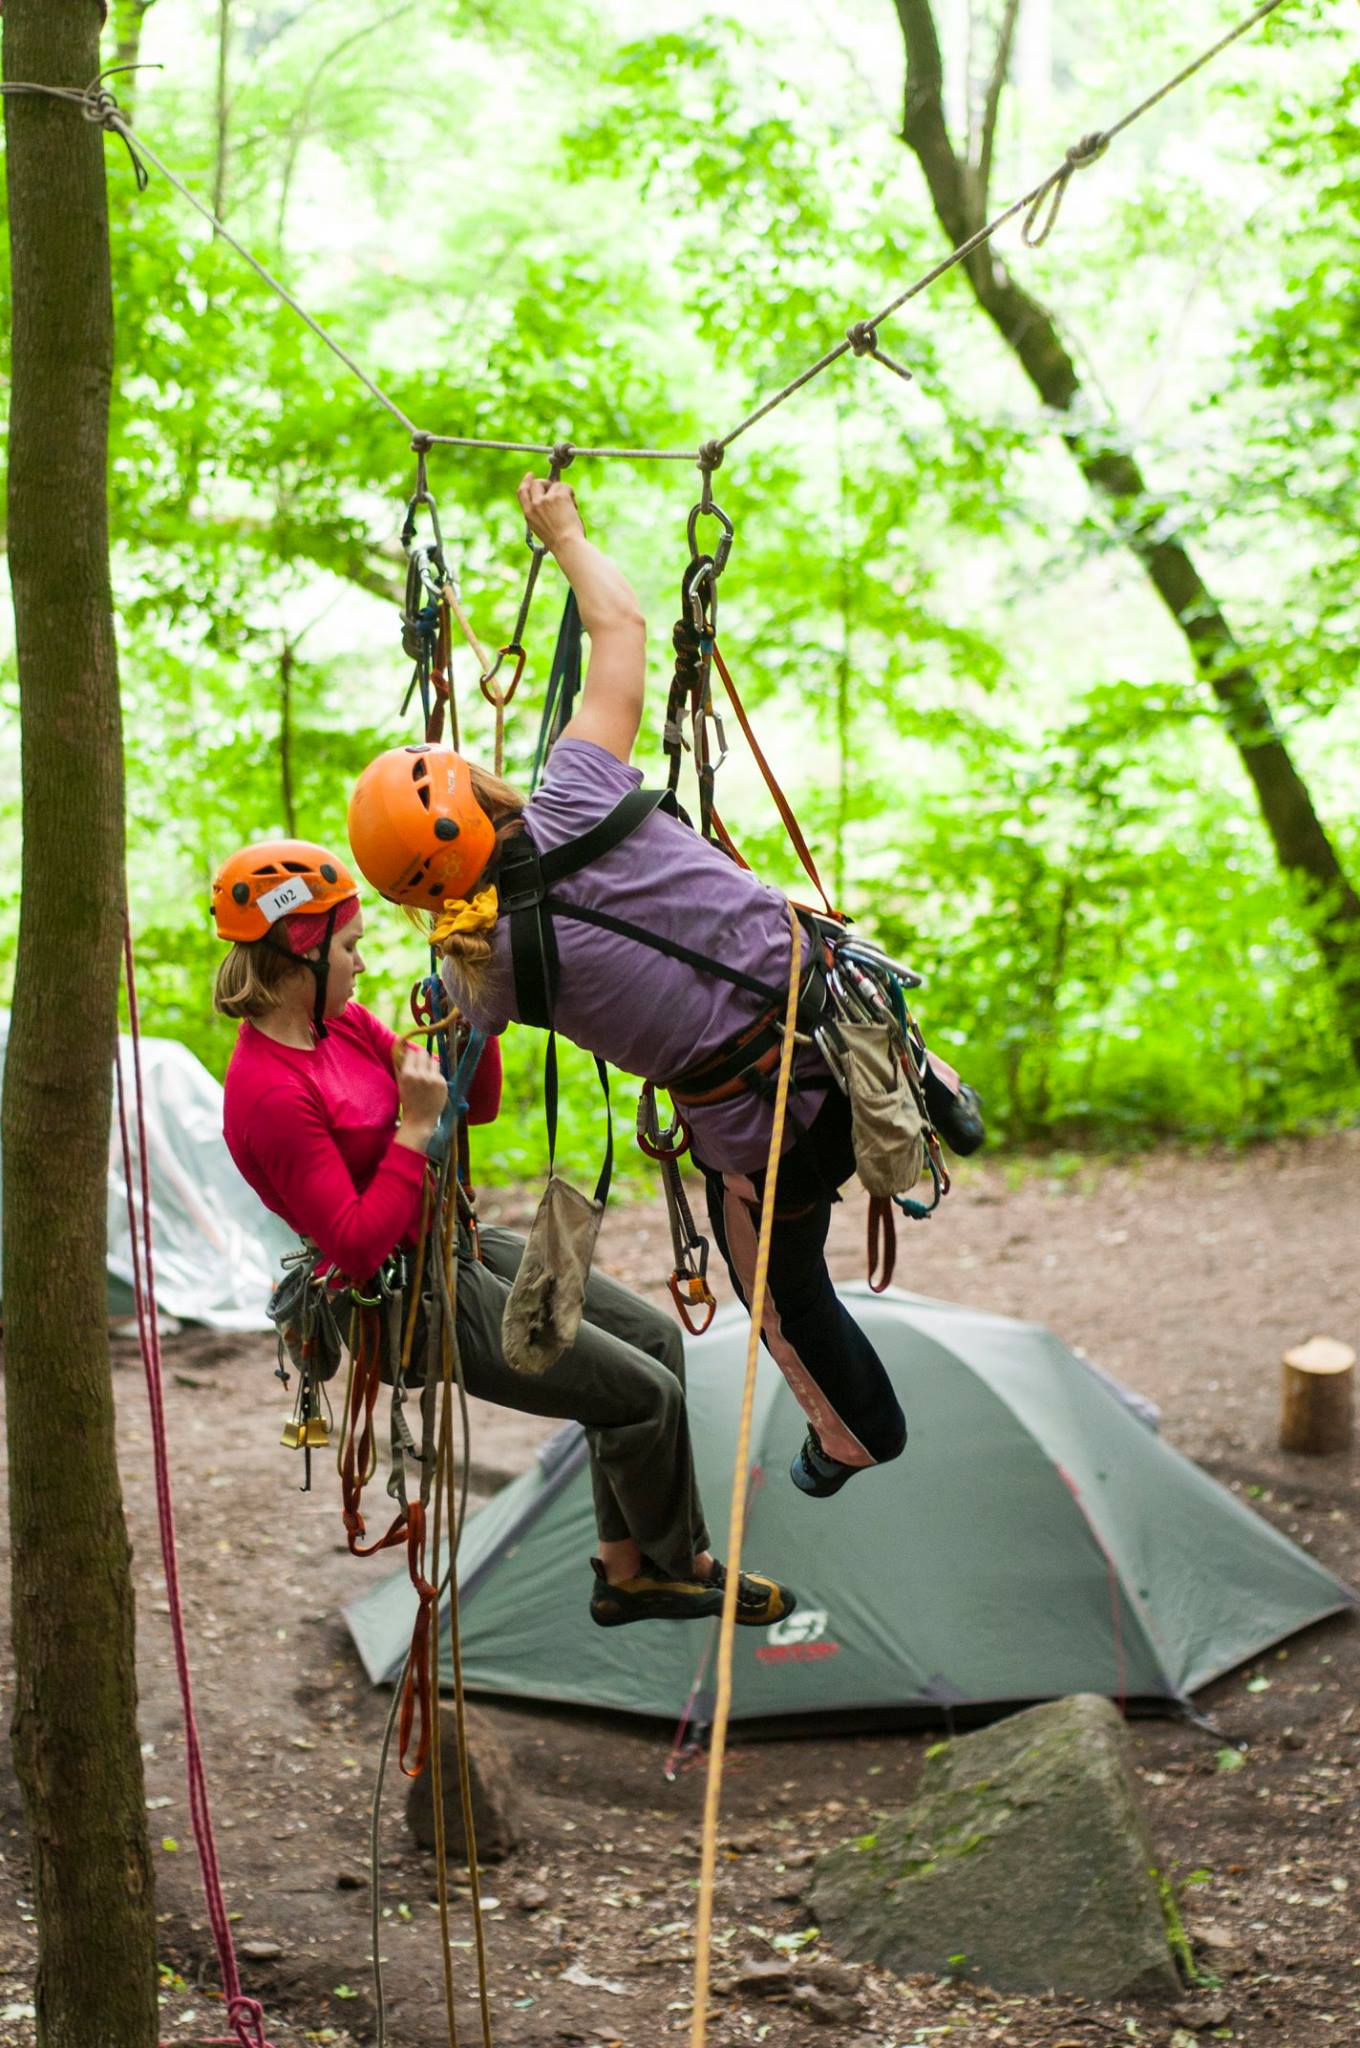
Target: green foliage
x,y
525,226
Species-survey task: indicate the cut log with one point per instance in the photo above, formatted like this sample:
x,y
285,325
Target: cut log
x,y
1317,1397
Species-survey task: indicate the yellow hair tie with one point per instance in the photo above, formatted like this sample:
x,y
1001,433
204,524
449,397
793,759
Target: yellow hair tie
x,y
463,914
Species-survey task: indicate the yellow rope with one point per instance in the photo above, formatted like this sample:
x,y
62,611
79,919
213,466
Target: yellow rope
x,y
703,1933
451,1364
442,1467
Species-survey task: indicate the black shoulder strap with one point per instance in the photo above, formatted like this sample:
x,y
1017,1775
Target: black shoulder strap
x,y
672,948
523,879
614,827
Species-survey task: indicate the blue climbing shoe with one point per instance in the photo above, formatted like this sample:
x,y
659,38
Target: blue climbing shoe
x,y
813,1472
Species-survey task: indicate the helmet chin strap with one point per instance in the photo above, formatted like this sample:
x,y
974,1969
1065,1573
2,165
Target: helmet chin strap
x,y
321,969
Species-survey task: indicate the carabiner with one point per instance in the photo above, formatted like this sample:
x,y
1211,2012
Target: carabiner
x,y
697,1294
724,547
502,697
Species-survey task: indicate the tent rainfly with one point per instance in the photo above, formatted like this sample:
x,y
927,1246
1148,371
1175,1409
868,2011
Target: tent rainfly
x,y
1036,1539
218,1249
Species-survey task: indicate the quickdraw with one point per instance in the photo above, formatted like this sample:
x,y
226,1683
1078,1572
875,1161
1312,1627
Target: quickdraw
x,y
498,695
688,1282
426,631
694,639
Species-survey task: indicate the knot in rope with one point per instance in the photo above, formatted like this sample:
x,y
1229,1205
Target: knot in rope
x,y
1088,149
1042,217
99,105
245,2016
711,456
862,336
562,457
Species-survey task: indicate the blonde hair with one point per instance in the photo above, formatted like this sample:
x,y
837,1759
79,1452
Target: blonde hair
x,y
469,954
252,979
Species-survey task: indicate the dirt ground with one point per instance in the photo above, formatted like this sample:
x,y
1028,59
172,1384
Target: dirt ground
x,y
1185,1276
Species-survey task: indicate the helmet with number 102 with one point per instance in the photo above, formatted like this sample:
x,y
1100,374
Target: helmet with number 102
x,y
277,878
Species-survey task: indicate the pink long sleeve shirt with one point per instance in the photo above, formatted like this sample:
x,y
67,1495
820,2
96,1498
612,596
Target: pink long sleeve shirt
x,y
314,1133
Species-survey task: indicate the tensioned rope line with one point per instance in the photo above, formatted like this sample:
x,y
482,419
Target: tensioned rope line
x,y
98,104
708,1860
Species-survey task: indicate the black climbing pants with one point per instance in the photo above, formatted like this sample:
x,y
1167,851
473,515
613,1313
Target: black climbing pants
x,y
838,1378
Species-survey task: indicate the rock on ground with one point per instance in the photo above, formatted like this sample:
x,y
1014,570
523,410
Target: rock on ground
x,y
497,1808
1023,1863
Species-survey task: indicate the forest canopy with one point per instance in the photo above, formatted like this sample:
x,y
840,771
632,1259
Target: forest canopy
x,y
624,225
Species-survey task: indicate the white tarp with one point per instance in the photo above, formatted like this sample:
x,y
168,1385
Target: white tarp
x,y
217,1248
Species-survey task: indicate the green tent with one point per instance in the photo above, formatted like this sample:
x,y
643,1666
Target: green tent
x,y
1037,1538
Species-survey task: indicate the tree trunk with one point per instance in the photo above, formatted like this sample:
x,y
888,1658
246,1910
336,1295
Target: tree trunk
x,y
127,46
74,1727
1302,846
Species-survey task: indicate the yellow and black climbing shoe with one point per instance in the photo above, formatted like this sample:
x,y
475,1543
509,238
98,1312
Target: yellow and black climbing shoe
x,y
651,1596
759,1600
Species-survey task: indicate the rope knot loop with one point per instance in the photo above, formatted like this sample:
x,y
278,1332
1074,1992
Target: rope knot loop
x,y
711,456
1042,217
245,2016
562,457
862,337
1088,149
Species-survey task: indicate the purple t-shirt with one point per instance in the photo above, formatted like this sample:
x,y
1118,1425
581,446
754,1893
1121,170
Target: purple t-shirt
x,y
635,1007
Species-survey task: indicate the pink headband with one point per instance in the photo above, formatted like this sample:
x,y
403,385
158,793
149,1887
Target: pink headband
x,y
302,931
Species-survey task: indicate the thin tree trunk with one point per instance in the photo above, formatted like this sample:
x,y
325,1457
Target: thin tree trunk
x,y
74,1727
222,149
1030,331
287,666
128,16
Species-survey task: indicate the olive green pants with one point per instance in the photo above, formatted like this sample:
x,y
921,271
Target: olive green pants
x,y
623,1380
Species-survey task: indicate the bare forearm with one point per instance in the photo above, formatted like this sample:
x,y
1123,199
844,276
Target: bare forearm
x,y
607,600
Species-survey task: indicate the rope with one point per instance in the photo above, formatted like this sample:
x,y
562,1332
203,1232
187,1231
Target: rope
x,y
703,1933
1040,205
245,2015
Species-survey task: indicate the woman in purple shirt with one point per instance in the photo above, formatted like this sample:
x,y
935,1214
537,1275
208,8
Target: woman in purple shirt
x,y
646,1010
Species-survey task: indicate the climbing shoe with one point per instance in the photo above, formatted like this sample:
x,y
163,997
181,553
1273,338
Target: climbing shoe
x,y
812,1471
760,1601
651,1596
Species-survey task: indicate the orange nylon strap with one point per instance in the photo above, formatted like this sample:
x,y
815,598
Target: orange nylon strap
x,y
781,802
356,1444
416,1691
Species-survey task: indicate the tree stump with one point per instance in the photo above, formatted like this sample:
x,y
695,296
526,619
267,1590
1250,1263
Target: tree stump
x,y
1316,1397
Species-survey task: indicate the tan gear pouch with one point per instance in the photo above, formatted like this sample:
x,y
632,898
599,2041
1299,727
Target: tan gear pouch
x,y
889,1136
543,1311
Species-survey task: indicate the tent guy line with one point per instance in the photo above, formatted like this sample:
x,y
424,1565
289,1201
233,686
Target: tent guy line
x,y
1040,206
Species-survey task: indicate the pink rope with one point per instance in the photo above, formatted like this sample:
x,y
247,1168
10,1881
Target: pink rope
x,y
245,2015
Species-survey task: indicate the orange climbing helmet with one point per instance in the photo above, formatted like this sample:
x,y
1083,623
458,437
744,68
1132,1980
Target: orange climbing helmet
x,y
260,887
416,828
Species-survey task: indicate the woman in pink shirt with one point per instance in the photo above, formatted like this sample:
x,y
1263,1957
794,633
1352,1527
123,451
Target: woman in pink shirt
x,y
332,1133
